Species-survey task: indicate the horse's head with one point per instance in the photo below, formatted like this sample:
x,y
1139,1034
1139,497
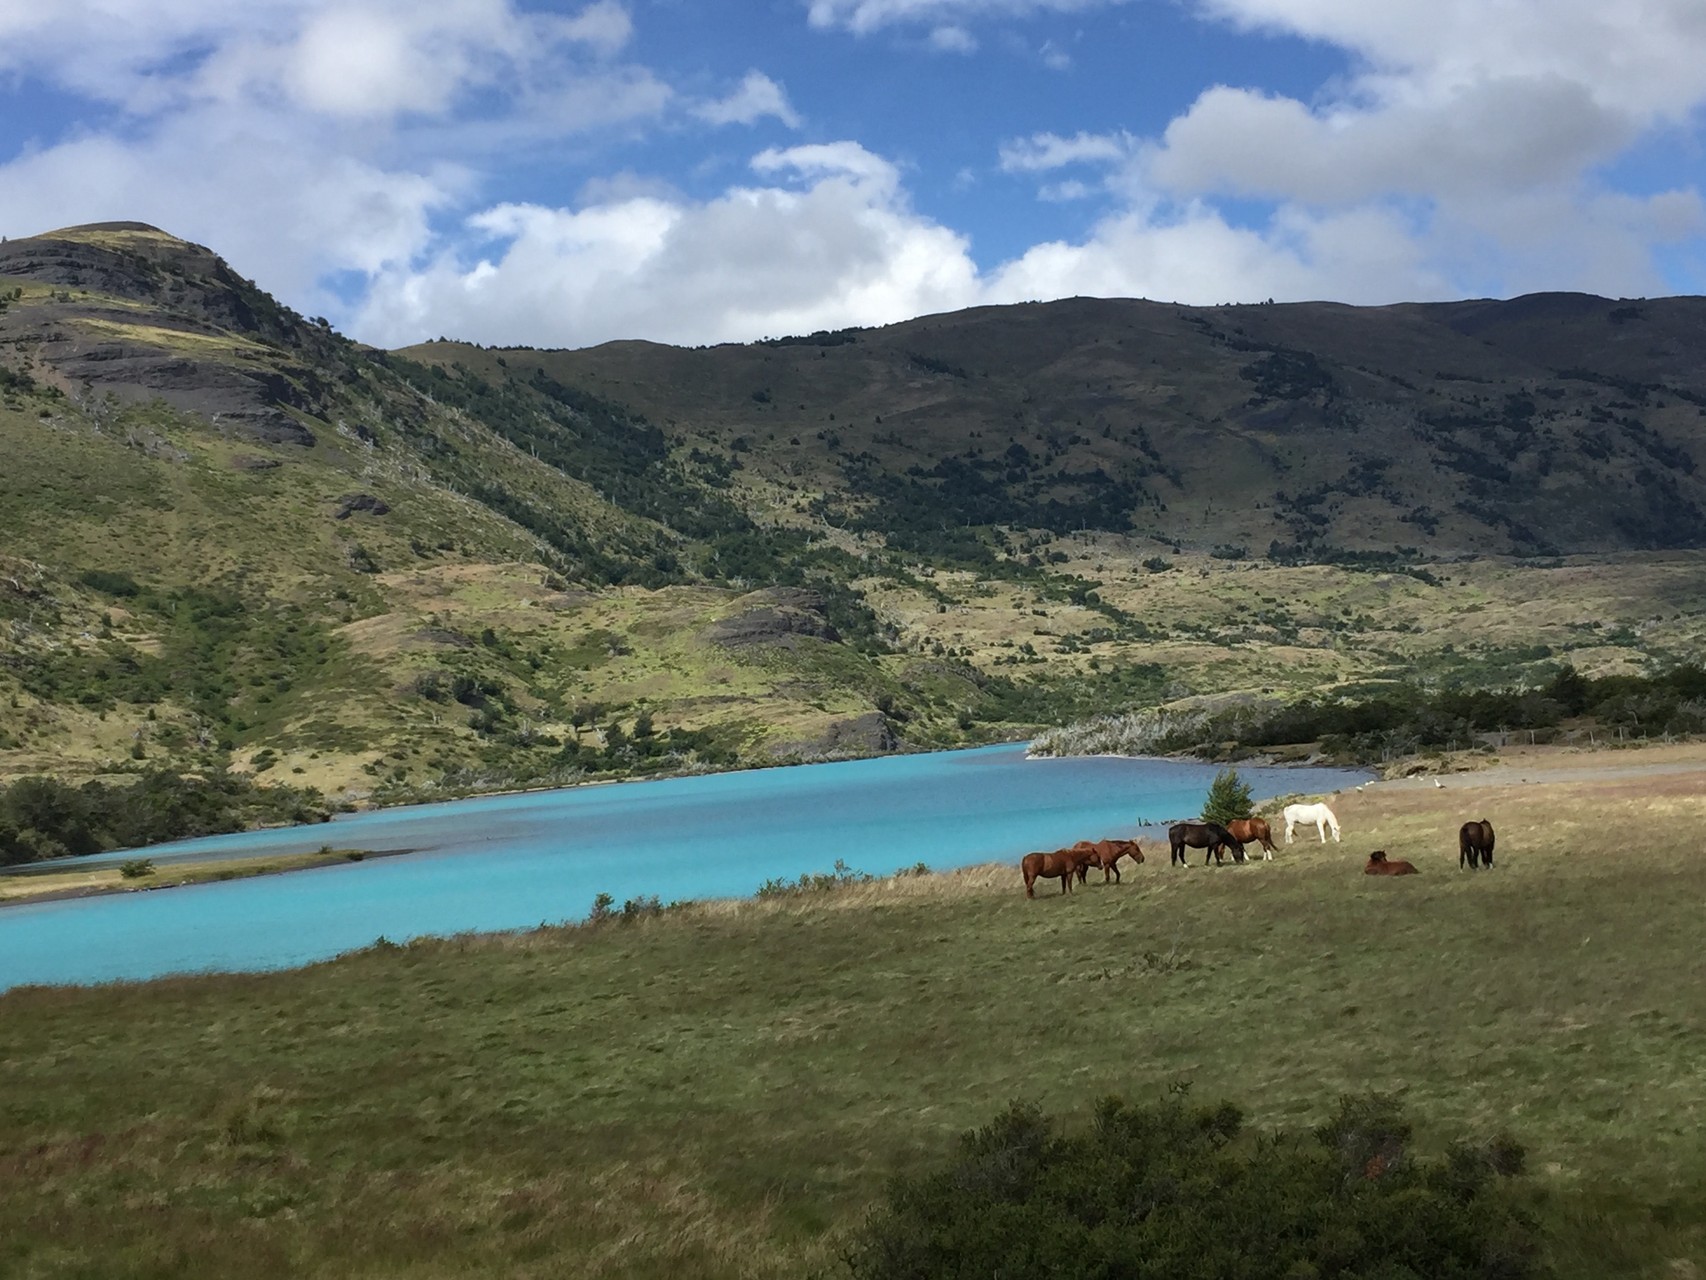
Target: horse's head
x,y
1379,855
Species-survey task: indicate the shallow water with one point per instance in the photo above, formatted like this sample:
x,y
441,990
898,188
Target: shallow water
x,y
509,862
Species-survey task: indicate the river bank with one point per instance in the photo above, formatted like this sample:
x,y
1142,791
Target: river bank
x,y
37,884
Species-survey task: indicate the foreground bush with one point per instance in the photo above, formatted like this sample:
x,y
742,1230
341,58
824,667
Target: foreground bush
x,y
1173,1192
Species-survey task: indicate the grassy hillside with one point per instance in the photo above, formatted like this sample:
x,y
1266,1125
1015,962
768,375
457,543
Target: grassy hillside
x,y
1553,423
229,537
722,1089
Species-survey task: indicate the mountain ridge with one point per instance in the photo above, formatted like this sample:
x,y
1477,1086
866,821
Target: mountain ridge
x,y
232,537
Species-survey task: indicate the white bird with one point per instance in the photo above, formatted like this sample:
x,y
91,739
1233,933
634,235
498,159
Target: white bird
x,y
1439,784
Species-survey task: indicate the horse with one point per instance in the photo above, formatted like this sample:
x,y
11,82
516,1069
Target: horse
x,y
1210,836
1252,830
1106,854
1062,863
1475,840
1319,814
1379,866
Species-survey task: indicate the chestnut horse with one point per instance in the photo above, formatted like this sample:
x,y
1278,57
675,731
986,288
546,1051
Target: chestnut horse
x,y
1379,866
1253,830
1475,840
1203,835
1106,854
1062,863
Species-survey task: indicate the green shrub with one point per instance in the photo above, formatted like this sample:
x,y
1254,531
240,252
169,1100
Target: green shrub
x,y
136,868
1175,1192
815,882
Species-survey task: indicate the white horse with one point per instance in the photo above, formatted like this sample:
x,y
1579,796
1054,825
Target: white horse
x,y
1303,814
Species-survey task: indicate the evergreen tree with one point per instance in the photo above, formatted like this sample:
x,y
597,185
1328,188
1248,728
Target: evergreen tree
x,y
1228,798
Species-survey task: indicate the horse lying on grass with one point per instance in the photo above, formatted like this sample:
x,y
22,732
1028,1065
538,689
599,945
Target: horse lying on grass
x,y
1106,854
1203,835
1062,864
1379,866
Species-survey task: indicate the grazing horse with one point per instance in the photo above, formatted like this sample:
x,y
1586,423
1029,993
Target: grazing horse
x,y
1210,836
1252,830
1475,840
1062,863
1106,854
1299,814
1379,866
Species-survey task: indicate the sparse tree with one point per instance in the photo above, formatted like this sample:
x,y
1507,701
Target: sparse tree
x,y
1228,798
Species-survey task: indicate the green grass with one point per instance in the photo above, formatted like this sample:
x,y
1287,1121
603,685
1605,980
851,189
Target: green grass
x,y
720,1090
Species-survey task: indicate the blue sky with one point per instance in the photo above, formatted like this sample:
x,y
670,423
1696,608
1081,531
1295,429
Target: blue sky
x,y
560,174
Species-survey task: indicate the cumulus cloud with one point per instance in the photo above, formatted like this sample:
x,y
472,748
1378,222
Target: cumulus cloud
x,y
1466,149
371,58
757,96
1467,145
305,213
830,240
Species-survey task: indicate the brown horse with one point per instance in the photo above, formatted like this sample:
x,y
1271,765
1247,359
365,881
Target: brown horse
x,y
1106,854
1203,835
1475,840
1379,866
1062,863
1252,831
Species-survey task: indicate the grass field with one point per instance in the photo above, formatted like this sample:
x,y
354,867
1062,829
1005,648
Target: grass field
x,y
719,1090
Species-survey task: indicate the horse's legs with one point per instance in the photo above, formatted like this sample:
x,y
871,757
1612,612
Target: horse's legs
x,y
1030,885
1289,824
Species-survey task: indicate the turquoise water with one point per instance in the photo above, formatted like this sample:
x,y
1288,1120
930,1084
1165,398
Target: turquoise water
x,y
509,862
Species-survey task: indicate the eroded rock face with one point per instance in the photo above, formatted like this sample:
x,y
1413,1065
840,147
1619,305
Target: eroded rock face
x,y
351,503
868,735
777,617
198,338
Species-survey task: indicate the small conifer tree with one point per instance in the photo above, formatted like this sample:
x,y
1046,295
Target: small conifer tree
x,y
1228,798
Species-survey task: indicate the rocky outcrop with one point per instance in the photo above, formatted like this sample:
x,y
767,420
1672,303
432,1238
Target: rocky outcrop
x,y
198,337
350,503
868,735
775,618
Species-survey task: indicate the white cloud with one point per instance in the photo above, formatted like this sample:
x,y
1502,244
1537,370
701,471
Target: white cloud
x,y
1640,56
1468,148
840,245
953,39
301,212
367,58
1071,189
865,16
1044,151
757,97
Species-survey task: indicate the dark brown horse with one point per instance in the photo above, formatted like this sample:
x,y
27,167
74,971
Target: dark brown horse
x,y
1203,835
1379,866
1061,864
1106,854
1252,831
1475,840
